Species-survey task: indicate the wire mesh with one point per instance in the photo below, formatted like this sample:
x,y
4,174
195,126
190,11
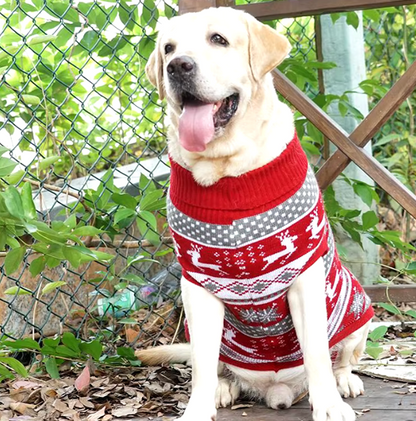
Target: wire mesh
x,y
74,103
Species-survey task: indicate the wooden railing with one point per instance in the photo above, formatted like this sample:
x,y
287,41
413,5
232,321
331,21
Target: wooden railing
x,y
350,147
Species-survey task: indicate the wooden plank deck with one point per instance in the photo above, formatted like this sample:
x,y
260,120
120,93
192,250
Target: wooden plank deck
x,y
382,402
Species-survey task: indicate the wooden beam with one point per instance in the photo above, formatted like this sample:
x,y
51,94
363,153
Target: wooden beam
x,y
293,8
378,116
186,6
340,138
394,293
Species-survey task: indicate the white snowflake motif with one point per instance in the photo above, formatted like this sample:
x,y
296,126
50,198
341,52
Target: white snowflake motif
x,y
249,248
262,253
264,315
226,252
253,260
240,262
227,259
216,254
239,254
357,303
260,246
251,254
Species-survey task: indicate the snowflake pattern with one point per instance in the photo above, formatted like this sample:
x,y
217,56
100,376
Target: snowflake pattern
x,y
357,303
264,315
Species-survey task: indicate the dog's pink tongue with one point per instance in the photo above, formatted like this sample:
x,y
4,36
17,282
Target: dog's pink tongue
x,y
196,126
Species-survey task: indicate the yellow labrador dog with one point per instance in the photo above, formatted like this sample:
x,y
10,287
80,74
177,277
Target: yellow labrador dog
x,y
270,310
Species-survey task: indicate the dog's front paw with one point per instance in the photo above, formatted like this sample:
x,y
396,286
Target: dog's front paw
x,y
227,392
199,410
349,385
330,407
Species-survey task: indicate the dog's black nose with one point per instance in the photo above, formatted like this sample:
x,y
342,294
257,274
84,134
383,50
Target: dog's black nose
x,y
181,66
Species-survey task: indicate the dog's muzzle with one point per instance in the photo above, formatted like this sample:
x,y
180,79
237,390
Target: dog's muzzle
x,y
200,117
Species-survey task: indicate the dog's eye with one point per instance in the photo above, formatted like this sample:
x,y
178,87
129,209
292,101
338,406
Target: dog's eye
x,y
218,39
169,48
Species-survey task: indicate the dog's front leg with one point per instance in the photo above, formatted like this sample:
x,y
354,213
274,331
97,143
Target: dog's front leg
x,y
205,316
307,303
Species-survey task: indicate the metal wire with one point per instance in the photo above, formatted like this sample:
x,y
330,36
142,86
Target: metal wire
x,y
74,95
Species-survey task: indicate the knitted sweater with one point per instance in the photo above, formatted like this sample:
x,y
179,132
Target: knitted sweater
x,y
246,239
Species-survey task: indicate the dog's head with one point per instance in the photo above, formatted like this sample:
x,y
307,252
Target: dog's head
x,y
208,66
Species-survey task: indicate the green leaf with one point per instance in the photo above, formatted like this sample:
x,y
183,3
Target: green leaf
x,y
353,19
370,219
26,343
52,367
122,214
125,200
5,373
391,308
378,333
41,39
411,313
364,191
131,277
113,46
3,149
52,287
71,341
94,348
150,14
13,260
335,17
47,162
373,351
37,265
372,14
387,139
126,353
64,351
152,201
6,166
16,365
27,201
31,99
87,230
13,202
148,233
320,64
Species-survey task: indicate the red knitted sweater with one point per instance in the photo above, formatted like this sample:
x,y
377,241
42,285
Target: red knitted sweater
x,y
246,239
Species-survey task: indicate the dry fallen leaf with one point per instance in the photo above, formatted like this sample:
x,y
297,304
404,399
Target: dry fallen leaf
x,y
242,405
82,383
123,411
96,415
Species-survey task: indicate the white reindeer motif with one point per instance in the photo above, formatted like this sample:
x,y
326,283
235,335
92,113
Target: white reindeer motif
x,y
177,248
287,241
315,227
196,255
330,291
229,335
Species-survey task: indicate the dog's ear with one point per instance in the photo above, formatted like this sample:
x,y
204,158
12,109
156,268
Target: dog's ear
x,y
267,48
154,71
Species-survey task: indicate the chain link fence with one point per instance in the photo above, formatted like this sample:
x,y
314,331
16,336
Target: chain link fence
x,y
82,122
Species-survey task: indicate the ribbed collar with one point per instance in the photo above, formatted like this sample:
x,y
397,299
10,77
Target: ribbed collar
x,y
274,182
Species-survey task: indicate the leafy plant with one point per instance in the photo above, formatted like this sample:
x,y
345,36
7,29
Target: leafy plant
x,y
21,232
55,352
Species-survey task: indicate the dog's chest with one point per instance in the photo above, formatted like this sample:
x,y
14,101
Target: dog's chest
x,y
271,247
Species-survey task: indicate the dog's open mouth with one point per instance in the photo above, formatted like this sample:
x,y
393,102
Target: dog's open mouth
x,y
199,120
